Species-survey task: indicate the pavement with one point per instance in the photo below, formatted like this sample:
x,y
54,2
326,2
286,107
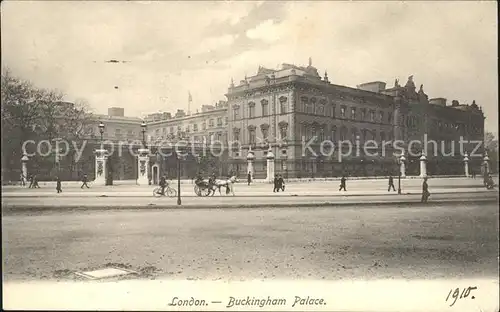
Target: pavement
x,y
256,195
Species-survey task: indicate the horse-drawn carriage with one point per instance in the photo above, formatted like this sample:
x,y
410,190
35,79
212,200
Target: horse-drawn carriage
x,y
204,188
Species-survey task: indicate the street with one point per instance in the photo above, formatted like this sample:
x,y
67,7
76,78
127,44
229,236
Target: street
x,y
332,243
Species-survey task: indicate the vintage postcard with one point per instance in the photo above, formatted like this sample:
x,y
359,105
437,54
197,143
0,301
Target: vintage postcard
x,y
250,155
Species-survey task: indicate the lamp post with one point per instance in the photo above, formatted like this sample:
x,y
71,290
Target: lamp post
x,y
179,202
143,130
401,160
101,160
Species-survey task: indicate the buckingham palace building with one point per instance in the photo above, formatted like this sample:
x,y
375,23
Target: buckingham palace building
x,y
291,112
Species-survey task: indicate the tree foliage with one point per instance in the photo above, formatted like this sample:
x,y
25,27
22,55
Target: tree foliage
x,y
31,113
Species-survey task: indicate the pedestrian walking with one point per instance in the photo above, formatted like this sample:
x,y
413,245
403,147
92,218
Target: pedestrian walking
x,y
391,184
249,178
281,183
473,174
84,181
23,180
58,185
425,191
163,184
276,184
31,181
343,184
35,182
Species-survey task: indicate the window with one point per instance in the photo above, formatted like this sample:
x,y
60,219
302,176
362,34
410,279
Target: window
x,y
236,113
304,102
164,131
219,121
382,136
381,116
211,123
283,104
374,135
353,113
195,127
251,136
171,129
342,111
321,109
363,114
389,117
265,133
372,115
333,111
334,134
343,133
118,133
236,135
251,110
283,131
354,134
226,120
204,126
265,108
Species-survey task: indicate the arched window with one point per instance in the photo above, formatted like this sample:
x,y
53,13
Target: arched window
x,y
343,133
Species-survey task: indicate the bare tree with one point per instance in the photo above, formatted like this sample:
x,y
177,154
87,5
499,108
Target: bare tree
x,y
30,113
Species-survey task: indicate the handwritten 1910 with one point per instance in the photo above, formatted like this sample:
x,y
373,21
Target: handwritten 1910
x,y
455,294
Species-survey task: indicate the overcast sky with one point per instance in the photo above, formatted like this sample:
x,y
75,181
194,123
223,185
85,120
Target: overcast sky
x,y
173,48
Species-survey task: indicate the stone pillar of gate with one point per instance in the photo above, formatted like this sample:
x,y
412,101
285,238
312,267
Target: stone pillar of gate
x,y
466,165
24,168
143,166
270,166
250,161
101,157
486,161
423,166
402,165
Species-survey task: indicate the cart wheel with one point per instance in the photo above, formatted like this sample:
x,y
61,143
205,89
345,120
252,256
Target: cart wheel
x,y
197,190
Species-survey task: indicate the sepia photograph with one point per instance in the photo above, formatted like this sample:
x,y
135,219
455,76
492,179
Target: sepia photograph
x,y
250,155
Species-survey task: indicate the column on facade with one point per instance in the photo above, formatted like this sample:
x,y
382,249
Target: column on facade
x,y
423,166
270,166
466,165
101,157
143,166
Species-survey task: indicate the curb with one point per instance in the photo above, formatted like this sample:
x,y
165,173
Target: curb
x,y
23,209
242,196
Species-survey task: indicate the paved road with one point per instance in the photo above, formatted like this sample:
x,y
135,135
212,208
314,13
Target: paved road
x,y
405,241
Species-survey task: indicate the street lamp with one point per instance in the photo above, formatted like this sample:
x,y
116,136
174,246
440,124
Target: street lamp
x,y
400,159
143,130
179,202
101,129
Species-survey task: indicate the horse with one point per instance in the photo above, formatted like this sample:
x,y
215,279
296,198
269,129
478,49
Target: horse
x,y
227,183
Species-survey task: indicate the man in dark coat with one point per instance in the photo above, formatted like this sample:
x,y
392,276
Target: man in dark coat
x,y
276,184
35,182
249,178
281,183
425,191
84,181
391,184
343,184
163,184
58,185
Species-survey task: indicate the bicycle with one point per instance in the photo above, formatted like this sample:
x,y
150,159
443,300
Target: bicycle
x,y
169,191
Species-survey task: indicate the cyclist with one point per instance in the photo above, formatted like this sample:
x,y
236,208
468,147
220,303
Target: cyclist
x,y
163,184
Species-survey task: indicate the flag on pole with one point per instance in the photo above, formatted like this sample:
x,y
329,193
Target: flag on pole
x,y
190,98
